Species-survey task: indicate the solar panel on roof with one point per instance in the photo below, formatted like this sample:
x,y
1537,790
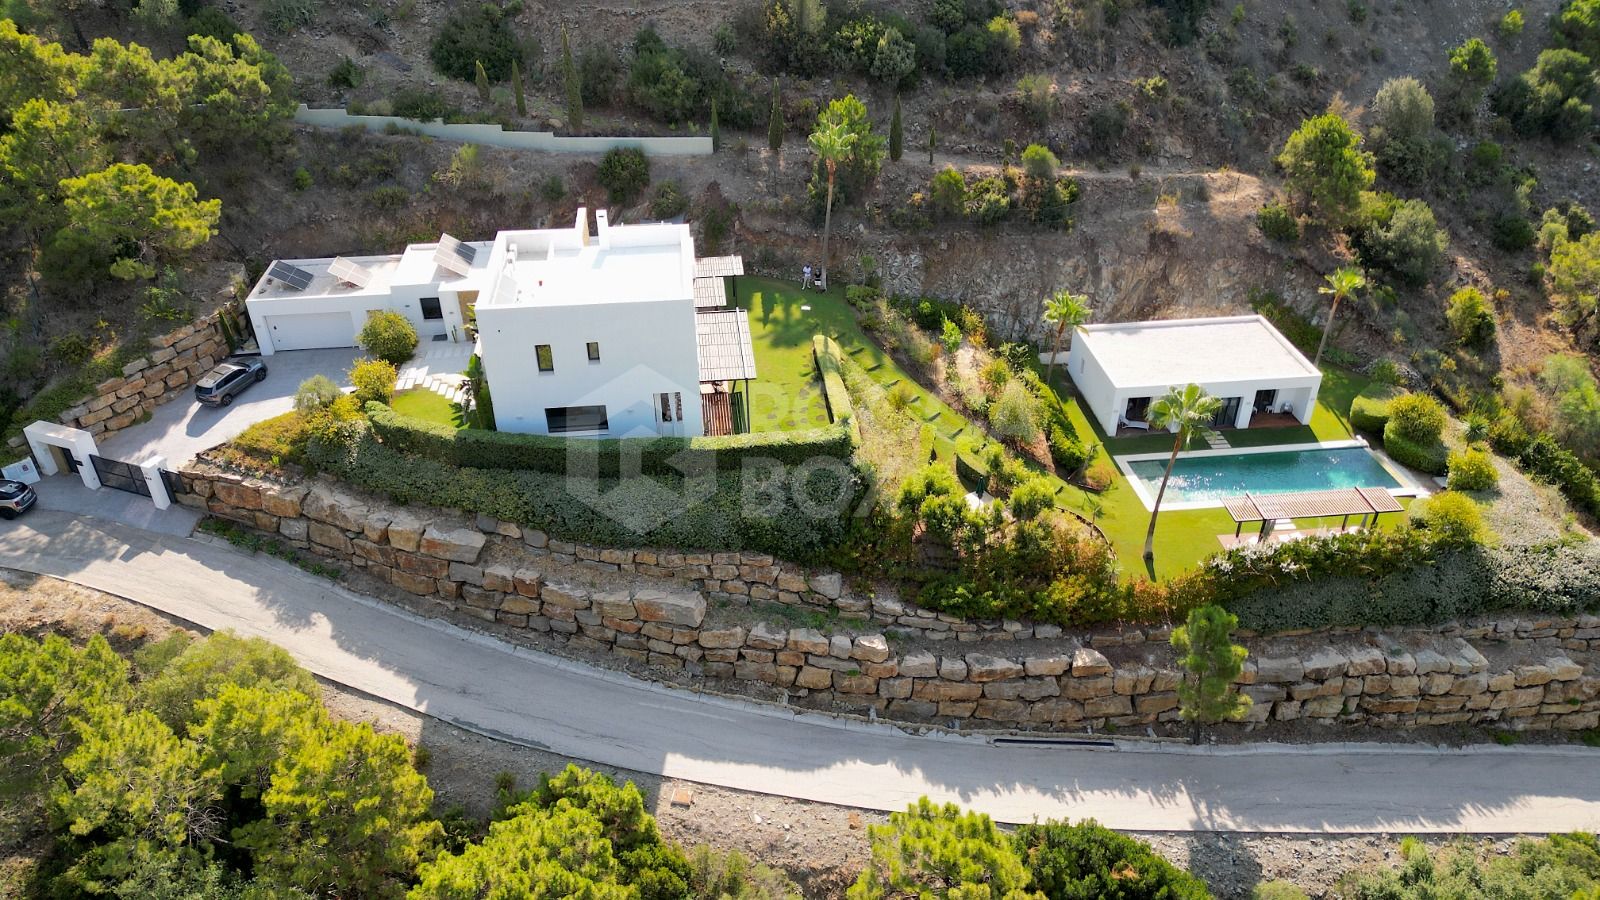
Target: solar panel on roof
x,y
454,255
349,272
293,277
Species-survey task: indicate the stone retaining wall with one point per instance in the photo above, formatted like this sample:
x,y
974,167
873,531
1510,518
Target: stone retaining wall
x,y
175,361
1515,673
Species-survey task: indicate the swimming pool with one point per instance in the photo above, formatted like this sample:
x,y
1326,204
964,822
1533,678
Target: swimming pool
x,y
1203,478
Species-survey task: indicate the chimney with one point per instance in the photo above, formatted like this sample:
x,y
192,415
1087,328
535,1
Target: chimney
x,y
582,226
603,228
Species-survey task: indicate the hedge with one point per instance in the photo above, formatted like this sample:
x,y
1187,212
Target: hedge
x,y
971,470
1431,458
1552,463
1369,411
840,408
607,457
721,510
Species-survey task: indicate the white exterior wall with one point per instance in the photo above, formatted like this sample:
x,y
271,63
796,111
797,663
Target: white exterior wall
x,y
646,348
498,136
1098,392
404,299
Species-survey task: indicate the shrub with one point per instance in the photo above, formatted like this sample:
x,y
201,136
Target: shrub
x,y
1553,464
315,393
948,193
1039,163
598,70
287,15
389,337
669,201
1278,222
1416,417
373,379
988,200
1087,860
1400,236
1450,517
1037,95
1066,451
1471,317
894,59
1276,890
1511,24
1015,415
1472,470
1369,411
421,103
624,173
1424,456
1031,498
477,33
830,361
281,438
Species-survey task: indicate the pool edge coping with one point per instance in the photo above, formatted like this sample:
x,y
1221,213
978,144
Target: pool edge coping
x,y
1407,488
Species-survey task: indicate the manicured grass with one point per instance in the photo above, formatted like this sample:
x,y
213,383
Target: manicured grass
x,y
421,403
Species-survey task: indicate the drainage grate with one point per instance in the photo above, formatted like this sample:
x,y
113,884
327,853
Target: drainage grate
x,y
1054,742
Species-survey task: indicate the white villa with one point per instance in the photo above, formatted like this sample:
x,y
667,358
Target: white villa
x,y
616,331
1243,360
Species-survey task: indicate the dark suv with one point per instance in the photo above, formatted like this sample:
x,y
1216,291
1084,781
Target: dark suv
x,y
16,498
228,380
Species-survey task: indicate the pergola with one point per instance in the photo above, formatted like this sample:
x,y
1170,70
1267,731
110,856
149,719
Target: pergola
x,y
1344,502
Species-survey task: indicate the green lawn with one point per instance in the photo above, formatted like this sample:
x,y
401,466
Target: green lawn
x,y
421,403
786,395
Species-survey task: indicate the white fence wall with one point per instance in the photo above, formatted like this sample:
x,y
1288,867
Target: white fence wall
x,y
498,136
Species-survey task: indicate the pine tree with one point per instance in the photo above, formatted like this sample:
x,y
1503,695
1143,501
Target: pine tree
x,y
775,126
516,86
1213,661
573,83
896,136
933,141
483,82
716,133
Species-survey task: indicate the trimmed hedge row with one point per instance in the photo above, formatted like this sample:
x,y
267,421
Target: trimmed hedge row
x,y
1552,463
799,515
1431,458
840,408
606,457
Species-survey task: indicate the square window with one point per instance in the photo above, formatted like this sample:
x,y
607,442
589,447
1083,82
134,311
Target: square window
x,y
430,309
546,361
594,351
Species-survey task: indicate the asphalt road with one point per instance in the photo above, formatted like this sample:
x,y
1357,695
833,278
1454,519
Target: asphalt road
x,y
512,693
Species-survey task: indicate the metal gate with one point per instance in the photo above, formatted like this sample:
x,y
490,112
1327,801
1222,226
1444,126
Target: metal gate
x,y
173,482
123,476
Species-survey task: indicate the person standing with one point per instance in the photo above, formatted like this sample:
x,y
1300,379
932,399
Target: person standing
x,y
805,276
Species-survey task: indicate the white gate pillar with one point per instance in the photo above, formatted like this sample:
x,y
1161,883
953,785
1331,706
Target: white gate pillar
x,y
43,435
152,477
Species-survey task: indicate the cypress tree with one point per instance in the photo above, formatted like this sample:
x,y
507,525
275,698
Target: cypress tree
x,y
896,137
716,133
775,121
574,85
483,82
932,142
516,85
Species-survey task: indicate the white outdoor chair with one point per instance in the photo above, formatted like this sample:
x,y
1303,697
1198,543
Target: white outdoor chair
x,y
1130,423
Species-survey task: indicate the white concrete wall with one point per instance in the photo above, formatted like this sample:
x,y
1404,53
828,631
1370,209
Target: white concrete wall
x,y
645,348
403,299
1097,390
497,136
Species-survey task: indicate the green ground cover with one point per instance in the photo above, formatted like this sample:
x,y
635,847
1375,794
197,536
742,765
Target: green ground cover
x,y
421,403
787,395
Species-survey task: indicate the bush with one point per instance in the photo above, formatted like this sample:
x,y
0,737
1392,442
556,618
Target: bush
x,y
988,200
948,193
624,173
1086,861
479,33
1276,890
422,104
373,379
1278,222
1417,417
281,438
1039,163
1037,95
1400,236
1424,456
1472,470
1450,517
315,393
798,518
1369,411
1553,464
287,15
389,337
1015,414
830,361
1066,451
669,201
1471,317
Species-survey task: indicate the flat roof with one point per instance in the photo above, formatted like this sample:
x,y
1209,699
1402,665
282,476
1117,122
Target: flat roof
x,y
575,266
1161,354
414,266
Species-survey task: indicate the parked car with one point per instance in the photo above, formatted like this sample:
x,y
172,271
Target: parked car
x,y
228,380
16,498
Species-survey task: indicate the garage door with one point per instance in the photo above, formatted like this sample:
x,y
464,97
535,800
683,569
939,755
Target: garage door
x,y
311,331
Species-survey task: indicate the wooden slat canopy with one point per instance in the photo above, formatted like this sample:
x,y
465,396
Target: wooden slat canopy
x,y
1311,504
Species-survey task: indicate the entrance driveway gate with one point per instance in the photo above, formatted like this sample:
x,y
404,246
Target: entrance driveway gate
x,y
124,476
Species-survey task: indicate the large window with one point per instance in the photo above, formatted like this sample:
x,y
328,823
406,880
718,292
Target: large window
x,y
547,362
430,308
575,418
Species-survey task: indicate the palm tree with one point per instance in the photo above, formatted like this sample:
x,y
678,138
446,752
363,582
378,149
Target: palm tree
x,y
831,143
1064,310
1344,282
1188,411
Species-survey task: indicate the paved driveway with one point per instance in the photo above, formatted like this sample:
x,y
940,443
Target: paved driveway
x,y
181,428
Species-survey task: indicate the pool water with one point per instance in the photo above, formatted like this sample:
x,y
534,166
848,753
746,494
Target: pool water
x,y
1199,479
